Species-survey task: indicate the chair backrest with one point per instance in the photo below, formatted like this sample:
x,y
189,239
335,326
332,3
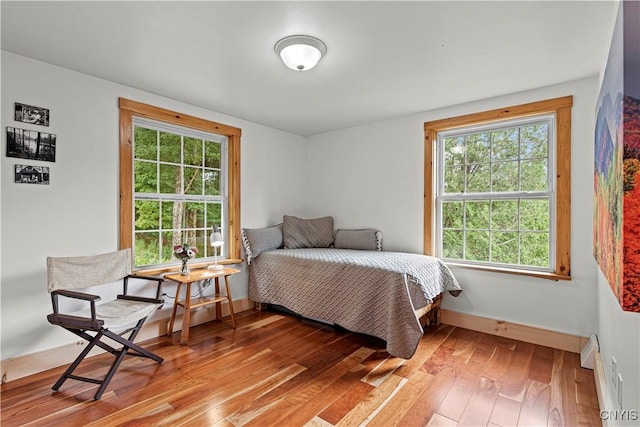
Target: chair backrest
x,y
82,272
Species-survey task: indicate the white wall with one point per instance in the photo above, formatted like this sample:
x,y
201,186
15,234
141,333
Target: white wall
x,y
619,337
77,214
372,176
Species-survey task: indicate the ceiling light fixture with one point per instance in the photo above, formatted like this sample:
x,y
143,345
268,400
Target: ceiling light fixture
x,y
300,53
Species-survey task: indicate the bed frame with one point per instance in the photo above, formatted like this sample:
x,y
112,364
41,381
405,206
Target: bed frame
x,y
429,315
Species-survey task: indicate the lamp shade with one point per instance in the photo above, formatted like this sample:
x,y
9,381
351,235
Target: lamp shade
x,y
300,53
216,239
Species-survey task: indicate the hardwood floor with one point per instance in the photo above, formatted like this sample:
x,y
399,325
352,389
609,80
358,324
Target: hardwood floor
x,y
278,370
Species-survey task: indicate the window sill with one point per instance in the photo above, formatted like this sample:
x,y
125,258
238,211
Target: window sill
x,y
173,268
531,273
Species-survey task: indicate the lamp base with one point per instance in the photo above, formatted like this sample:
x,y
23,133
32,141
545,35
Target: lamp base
x,y
215,267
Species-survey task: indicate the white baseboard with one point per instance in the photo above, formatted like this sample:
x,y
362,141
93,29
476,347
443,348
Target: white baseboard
x,y
531,334
601,387
33,363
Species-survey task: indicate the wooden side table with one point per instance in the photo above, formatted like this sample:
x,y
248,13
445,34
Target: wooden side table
x,y
187,303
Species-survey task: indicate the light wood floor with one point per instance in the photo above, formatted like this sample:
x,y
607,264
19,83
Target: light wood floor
x,y
276,370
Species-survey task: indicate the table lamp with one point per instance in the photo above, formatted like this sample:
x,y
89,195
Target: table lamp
x,y
216,240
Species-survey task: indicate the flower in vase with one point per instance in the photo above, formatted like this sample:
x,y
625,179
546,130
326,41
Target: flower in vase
x,y
184,251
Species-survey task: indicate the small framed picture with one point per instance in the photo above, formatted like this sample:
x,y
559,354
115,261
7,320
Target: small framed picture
x,y
26,174
30,114
31,144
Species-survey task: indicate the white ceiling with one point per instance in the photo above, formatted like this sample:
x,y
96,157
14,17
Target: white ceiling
x,y
384,59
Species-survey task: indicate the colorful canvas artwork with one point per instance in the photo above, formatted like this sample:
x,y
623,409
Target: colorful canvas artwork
x,y
617,162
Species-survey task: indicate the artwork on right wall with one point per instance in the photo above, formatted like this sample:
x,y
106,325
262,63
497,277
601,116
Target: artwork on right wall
x,y
617,162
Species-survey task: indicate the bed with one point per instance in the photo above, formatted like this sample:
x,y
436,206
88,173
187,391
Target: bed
x,y
349,282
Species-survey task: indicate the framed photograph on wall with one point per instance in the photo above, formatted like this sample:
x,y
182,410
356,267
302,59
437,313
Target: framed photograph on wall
x,y
27,174
31,144
29,114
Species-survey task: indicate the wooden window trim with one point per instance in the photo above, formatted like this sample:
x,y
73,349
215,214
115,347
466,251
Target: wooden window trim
x,y
561,107
129,109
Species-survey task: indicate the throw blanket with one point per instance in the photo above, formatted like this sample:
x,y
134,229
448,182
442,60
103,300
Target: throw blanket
x,y
369,292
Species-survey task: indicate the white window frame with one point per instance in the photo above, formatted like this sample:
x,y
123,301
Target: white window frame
x,y
222,198
549,194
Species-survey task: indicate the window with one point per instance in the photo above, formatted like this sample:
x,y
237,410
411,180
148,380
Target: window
x,y
179,176
497,188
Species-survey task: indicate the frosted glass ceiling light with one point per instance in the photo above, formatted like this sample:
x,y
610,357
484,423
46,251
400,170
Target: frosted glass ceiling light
x,y
300,53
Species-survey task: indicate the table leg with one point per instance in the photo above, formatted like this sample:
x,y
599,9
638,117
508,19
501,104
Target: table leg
x,y
218,304
173,312
233,316
186,317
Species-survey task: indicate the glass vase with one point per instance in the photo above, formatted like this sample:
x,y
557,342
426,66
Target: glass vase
x,y
184,270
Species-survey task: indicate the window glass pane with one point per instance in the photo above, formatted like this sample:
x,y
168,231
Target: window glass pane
x,y
169,240
534,214
212,154
170,179
147,214
504,247
146,248
454,159
453,244
200,242
211,182
534,140
478,148
477,215
145,143
214,214
477,246
146,180
454,179
478,177
170,147
452,215
193,151
169,209
534,175
504,176
534,249
504,215
192,181
454,150
504,144
194,217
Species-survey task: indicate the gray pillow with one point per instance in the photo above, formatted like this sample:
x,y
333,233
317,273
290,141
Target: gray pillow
x,y
307,233
365,239
258,240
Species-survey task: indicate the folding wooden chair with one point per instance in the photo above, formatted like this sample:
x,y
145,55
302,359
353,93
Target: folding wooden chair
x,y
113,319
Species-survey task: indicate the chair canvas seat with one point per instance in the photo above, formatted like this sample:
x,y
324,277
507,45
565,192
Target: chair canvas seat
x,y
119,313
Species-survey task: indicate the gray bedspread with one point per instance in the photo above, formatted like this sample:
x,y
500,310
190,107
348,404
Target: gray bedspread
x,y
369,292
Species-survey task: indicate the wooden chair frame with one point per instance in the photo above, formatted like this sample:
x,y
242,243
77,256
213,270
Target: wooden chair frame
x,y
85,326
